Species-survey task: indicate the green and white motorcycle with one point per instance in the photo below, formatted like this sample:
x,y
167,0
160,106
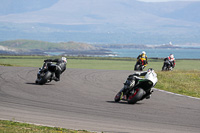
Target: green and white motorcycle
x,y
136,88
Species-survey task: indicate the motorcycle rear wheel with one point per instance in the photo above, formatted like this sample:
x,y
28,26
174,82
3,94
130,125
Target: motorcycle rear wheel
x,y
136,96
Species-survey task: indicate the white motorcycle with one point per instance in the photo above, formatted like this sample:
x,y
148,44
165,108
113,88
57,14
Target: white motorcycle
x,y
136,88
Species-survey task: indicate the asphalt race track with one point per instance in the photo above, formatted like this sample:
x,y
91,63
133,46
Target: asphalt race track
x,y
84,99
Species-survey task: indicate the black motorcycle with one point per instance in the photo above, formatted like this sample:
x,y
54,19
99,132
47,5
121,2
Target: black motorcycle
x,y
46,73
139,66
136,89
166,66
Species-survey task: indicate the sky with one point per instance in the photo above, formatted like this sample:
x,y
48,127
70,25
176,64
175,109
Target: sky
x,y
165,0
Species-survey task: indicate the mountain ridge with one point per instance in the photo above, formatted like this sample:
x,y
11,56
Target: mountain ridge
x,y
36,47
105,21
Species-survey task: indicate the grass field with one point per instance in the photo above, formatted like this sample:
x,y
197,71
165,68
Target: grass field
x,y
108,63
16,127
184,79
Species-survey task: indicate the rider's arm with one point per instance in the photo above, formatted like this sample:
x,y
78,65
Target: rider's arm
x,y
139,74
138,56
143,73
50,60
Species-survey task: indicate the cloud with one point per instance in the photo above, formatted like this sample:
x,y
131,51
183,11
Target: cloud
x,y
166,0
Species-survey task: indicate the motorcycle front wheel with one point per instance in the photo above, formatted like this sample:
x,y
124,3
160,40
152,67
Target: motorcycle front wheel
x,y
44,79
118,97
137,68
164,68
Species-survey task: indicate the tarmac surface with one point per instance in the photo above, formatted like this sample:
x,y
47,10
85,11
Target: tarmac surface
x,y
84,99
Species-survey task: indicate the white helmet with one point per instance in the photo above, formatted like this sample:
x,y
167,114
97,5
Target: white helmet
x,y
171,56
143,52
64,59
150,74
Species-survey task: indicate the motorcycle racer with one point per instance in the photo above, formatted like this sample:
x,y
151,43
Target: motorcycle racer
x,y
134,78
60,67
143,57
171,59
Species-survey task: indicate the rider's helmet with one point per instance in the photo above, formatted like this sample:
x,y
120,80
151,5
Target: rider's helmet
x,y
64,59
171,56
150,73
143,52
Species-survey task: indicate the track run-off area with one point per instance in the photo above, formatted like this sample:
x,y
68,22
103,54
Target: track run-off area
x,y
84,99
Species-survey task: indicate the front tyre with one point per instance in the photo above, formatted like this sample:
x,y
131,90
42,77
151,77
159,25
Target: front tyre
x,y
137,67
118,97
136,96
45,78
164,68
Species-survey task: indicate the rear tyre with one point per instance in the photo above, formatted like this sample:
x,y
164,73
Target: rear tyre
x,y
136,96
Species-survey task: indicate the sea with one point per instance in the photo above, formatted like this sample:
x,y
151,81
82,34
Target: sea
x,y
180,53
193,53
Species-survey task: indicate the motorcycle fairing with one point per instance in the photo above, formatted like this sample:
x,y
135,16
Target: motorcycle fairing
x,y
144,84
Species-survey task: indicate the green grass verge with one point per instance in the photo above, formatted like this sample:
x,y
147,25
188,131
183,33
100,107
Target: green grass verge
x,y
17,127
180,81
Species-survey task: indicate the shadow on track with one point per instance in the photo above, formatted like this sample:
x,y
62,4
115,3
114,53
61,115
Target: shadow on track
x,y
123,102
38,84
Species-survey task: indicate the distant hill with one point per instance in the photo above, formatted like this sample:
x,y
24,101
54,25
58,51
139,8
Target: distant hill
x,y
41,47
100,21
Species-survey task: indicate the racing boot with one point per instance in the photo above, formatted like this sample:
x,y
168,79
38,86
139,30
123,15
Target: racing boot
x,y
149,95
55,79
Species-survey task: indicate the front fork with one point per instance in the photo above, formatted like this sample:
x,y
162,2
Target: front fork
x,y
125,91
